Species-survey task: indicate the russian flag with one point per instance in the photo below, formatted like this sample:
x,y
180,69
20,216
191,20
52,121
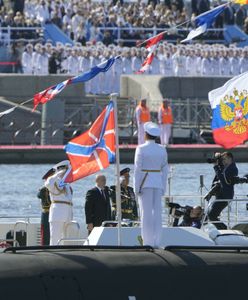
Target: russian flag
x,y
229,105
93,150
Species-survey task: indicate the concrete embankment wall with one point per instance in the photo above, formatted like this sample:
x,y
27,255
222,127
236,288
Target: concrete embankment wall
x,y
54,154
23,126
19,87
158,87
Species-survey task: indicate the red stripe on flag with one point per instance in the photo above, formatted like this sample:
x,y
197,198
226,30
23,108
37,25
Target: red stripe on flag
x,y
228,139
154,40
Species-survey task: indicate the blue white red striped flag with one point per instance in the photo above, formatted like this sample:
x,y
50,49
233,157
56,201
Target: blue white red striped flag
x,y
49,93
93,150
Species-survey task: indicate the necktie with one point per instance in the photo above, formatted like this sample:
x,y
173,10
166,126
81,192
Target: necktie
x,y
103,195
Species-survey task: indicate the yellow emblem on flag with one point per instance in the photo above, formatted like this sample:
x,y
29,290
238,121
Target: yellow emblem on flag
x,y
236,112
241,2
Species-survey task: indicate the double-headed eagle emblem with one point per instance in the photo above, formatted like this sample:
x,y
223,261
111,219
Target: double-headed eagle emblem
x,y
234,110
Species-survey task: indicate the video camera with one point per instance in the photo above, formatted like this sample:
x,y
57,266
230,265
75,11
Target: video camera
x,y
238,180
217,158
177,210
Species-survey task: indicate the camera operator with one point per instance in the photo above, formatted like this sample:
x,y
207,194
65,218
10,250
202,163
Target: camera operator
x,y
222,186
192,217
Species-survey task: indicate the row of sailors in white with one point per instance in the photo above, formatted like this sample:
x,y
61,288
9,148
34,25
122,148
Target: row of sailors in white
x,y
183,62
200,62
35,62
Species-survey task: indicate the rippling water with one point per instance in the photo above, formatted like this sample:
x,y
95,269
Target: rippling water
x,y
20,184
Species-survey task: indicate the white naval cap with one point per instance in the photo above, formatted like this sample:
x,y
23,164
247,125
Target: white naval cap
x,y
62,164
152,128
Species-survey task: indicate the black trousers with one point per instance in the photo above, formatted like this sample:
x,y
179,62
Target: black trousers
x,y
45,230
214,212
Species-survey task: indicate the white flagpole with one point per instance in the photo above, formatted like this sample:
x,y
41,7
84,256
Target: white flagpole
x,y
113,97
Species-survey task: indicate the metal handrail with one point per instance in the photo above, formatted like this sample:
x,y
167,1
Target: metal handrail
x,y
27,218
155,30
65,229
26,227
123,221
20,28
8,29
15,242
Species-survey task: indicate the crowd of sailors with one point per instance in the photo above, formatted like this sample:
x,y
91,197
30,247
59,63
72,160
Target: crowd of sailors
x,y
170,60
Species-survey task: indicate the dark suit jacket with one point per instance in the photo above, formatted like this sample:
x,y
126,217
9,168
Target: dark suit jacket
x,y
97,208
240,16
225,176
229,17
202,6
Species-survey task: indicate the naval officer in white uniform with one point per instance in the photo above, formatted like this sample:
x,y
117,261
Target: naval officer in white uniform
x,y
150,175
60,211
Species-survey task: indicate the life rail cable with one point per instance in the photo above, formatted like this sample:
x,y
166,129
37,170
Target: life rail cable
x,y
79,247
207,248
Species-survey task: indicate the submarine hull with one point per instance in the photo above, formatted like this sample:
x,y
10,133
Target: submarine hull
x,y
140,273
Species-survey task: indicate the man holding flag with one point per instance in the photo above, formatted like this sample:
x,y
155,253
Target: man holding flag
x,y
95,149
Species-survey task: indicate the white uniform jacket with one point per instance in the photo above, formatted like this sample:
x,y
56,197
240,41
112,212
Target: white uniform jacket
x,y
42,63
59,212
73,65
150,158
27,63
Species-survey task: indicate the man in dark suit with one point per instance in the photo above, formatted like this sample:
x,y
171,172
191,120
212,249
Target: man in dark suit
x,y
203,6
229,15
225,171
97,205
240,16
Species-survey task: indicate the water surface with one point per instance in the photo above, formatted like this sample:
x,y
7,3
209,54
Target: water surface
x,y
20,184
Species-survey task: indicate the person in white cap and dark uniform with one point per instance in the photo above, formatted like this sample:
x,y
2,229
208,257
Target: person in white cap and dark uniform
x,y
150,175
60,211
